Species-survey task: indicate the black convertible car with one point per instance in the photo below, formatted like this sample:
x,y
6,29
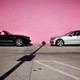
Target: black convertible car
x,y
18,40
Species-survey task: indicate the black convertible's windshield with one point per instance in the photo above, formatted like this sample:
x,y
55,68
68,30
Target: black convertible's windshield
x,y
6,32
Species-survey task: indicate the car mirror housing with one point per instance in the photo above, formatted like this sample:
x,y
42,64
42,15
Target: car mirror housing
x,y
70,35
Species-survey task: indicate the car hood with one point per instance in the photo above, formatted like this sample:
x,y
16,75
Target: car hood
x,y
16,35
58,36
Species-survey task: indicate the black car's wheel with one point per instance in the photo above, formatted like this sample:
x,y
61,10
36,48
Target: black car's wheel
x,y
59,42
19,42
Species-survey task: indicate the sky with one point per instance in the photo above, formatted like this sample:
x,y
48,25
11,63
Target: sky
x,y
40,19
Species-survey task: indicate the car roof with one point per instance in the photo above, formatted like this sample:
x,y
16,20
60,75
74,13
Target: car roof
x,y
76,30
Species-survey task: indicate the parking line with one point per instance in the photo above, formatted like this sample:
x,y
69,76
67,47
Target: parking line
x,y
66,65
57,70
58,62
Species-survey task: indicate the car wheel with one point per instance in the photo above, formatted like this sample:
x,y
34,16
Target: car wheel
x,y
19,42
59,42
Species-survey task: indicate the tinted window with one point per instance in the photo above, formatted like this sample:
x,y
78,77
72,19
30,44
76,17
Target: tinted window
x,y
77,33
72,34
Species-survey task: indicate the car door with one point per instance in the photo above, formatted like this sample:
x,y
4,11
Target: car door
x,y
70,38
5,39
74,38
77,35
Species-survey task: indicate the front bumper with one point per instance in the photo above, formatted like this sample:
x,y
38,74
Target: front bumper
x,y
51,42
27,41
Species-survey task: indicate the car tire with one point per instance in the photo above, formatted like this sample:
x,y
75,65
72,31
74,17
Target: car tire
x,y
19,42
60,42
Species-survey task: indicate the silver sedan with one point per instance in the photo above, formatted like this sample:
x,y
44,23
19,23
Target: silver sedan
x,y
71,38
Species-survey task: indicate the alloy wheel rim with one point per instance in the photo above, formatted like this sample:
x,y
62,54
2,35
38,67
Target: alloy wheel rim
x,y
19,42
60,43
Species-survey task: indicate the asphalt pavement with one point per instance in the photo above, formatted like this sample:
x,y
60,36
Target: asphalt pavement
x,y
37,62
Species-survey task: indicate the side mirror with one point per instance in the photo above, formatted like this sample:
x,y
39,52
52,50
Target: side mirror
x,y
70,35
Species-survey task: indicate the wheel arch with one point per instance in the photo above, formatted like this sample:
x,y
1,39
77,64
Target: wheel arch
x,y
59,39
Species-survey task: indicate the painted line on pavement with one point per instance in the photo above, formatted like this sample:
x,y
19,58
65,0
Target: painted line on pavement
x,y
58,62
66,65
57,70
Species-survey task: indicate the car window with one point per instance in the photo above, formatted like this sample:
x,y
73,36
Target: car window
x,y
72,34
2,33
77,33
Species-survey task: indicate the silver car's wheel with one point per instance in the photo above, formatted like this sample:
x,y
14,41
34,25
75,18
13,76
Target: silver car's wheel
x,y
59,42
19,42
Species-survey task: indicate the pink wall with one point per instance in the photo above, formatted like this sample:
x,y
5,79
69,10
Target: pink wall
x,y
40,19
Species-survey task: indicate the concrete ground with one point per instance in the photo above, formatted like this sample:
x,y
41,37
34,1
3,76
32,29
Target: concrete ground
x,y
38,62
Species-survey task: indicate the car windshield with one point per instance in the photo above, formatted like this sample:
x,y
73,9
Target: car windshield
x,y
6,32
68,33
